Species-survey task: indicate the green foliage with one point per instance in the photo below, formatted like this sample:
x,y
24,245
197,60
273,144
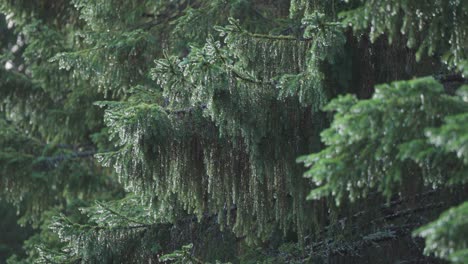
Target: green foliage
x,y
121,51
179,256
183,256
46,121
432,27
452,136
215,78
114,14
155,152
446,237
34,176
106,232
370,146
205,139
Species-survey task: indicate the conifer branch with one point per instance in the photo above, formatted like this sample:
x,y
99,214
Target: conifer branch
x,y
51,162
185,110
155,22
121,215
276,37
387,206
99,227
236,73
239,30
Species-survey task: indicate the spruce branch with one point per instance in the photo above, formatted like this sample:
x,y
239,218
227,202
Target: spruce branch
x,y
236,73
236,28
114,212
52,161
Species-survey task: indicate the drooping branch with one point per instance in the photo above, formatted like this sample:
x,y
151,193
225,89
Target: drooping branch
x,y
47,163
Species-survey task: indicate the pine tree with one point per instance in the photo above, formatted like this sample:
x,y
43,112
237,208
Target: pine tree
x,y
205,112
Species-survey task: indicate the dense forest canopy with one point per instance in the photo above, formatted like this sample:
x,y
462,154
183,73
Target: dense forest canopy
x,y
243,131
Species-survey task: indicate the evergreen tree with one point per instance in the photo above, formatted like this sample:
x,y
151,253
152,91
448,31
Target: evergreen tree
x,y
205,112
